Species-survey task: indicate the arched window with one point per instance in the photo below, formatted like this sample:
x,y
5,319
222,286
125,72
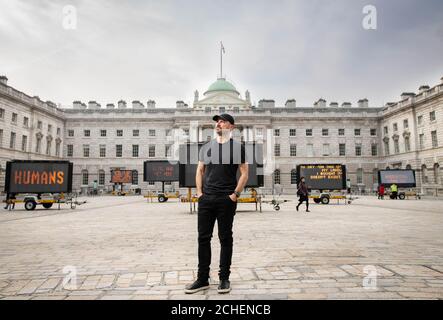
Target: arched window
x,y
293,176
424,176
277,177
101,177
436,172
85,177
135,177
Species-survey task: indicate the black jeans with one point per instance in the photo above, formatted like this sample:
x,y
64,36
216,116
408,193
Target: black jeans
x,y
303,199
210,209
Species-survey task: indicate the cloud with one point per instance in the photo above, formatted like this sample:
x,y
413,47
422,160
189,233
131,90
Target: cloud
x,y
164,50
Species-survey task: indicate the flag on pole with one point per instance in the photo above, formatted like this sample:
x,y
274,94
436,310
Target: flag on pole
x,y
223,48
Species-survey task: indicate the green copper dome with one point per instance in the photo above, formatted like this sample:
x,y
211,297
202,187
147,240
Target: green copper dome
x,y
222,85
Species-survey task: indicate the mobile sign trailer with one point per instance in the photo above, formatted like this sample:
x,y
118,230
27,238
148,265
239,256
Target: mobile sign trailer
x,y
120,177
39,183
403,178
325,178
161,171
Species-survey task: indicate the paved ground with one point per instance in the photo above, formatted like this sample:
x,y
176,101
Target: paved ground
x,y
126,248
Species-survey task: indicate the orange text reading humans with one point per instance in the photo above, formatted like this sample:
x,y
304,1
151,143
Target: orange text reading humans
x,y
29,177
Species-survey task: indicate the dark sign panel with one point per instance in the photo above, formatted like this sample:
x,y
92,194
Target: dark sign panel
x,y
323,176
121,176
160,171
402,178
38,177
188,158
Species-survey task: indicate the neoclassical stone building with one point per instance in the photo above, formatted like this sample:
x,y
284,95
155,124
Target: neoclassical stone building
x,y
96,138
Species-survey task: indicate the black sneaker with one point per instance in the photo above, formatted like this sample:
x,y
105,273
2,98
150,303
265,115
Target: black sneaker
x,y
197,286
224,286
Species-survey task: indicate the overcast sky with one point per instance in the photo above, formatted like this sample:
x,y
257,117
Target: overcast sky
x,y
165,50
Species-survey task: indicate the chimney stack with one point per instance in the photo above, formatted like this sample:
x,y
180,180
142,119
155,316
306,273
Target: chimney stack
x,y
110,106
4,80
363,103
122,104
180,104
151,104
137,105
407,95
346,105
291,103
321,103
333,105
423,88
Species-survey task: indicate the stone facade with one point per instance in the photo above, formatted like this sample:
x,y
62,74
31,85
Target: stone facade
x,y
90,135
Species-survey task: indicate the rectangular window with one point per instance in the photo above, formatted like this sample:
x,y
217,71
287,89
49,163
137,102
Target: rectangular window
x,y
259,132
325,132
396,147
87,133
152,132
12,141
49,128
421,138
39,125
276,132
135,150
168,151
168,132
292,132
387,148
102,151
2,114
1,137
25,122
119,150
420,120
277,150
342,149
101,178
119,133
434,139
358,150
24,143
374,149
395,127
57,149
407,144
386,130
70,150
59,131
341,132
38,146
432,116
103,133
373,132
236,109
151,151
309,132
14,118
185,132
70,133
310,150
357,132
48,148
86,150
136,133
325,150
405,124
293,150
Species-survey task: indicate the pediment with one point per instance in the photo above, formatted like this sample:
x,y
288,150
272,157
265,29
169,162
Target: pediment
x,y
221,99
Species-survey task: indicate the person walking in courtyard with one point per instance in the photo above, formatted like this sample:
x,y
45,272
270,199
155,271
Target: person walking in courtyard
x,y
394,191
381,192
303,193
218,191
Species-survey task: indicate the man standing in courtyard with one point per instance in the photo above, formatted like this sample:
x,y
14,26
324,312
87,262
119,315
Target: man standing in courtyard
x,y
218,191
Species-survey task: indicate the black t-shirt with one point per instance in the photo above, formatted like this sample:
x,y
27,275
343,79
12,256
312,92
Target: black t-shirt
x,y
221,165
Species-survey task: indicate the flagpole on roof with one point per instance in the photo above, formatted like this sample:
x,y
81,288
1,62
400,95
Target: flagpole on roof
x,y
222,50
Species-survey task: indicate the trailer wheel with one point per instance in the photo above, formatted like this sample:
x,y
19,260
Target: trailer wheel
x,y
401,196
47,205
162,198
277,208
316,200
30,205
325,200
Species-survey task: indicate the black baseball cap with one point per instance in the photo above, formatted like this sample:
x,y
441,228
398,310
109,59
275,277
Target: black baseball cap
x,y
224,116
